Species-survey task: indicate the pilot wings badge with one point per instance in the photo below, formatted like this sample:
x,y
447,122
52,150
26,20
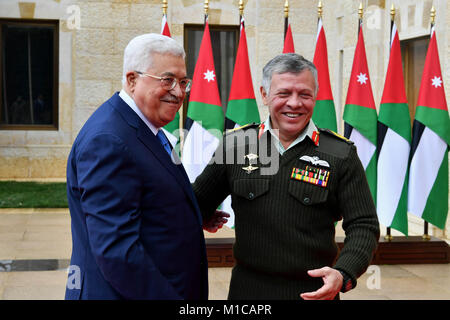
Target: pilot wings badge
x,y
249,169
315,161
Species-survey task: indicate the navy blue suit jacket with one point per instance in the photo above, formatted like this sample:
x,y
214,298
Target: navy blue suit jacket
x,y
136,226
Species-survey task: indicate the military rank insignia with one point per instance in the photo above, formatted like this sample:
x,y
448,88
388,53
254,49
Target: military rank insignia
x,y
312,175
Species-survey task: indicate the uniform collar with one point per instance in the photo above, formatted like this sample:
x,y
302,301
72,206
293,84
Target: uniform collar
x,y
309,131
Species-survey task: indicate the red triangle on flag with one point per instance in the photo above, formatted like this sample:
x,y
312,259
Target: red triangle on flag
x,y
432,93
321,63
394,87
359,88
165,31
204,83
288,41
241,84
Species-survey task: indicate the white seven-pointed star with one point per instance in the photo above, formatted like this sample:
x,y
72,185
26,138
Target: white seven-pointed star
x,y
362,78
209,75
436,82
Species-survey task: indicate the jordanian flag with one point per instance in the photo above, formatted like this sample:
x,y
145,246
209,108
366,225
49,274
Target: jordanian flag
x,y
205,118
394,138
324,115
172,128
360,115
428,176
242,108
288,41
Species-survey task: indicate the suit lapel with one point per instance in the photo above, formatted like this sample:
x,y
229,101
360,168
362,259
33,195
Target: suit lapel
x,y
146,136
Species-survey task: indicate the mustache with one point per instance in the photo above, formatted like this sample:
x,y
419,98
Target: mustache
x,y
171,99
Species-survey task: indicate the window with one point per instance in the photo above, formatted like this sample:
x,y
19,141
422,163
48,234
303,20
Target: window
x,y
224,41
414,52
29,74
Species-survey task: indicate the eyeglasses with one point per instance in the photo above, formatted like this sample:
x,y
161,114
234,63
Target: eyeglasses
x,y
168,83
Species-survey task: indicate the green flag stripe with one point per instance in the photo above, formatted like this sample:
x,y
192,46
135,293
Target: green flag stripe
x,y
363,119
396,117
324,115
209,115
243,111
436,208
371,175
400,220
174,124
435,119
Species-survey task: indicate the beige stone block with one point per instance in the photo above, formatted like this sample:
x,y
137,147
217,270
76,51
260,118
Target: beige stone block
x,y
47,168
123,36
102,67
91,93
94,41
12,167
27,9
104,15
145,16
12,138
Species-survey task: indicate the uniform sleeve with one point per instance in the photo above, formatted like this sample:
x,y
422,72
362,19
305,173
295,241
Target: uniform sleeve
x,y
110,198
212,187
360,221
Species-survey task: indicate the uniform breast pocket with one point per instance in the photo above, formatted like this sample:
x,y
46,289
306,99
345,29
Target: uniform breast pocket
x,y
250,189
308,194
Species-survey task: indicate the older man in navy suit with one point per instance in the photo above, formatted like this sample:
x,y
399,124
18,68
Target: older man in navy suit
x,y
136,226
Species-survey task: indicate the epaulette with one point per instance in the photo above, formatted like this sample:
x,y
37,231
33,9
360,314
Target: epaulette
x,y
337,135
247,126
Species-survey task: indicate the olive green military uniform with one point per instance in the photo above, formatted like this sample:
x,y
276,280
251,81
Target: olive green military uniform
x,y
285,222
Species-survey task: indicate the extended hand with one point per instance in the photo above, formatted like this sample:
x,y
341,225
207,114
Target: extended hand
x,y
216,221
332,284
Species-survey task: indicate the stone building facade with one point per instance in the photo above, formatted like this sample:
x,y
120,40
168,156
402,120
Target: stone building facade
x,y
94,33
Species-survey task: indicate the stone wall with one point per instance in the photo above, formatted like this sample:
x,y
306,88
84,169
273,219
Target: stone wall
x,y
94,33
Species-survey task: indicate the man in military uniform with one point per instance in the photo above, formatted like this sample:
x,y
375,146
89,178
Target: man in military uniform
x,y
286,208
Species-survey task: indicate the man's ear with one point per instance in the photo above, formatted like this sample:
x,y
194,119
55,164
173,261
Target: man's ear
x,y
263,95
131,80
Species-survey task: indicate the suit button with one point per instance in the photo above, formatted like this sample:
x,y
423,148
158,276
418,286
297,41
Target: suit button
x,y
251,195
306,200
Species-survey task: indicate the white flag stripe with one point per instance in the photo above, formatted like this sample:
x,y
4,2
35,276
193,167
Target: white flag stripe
x,y
364,147
199,147
424,168
226,206
392,167
163,23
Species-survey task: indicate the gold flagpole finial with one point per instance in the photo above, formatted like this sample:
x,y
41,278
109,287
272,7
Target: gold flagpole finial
x,y
164,7
241,7
286,9
206,6
392,12
433,14
360,11
320,9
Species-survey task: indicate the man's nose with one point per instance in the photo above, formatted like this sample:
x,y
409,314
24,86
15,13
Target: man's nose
x,y
177,91
295,101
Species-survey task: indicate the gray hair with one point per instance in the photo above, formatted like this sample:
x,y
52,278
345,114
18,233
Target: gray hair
x,y
138,53
287,63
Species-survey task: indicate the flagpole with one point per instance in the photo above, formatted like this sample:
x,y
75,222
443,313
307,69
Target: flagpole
x,y
388,236
241,11
426,236
360,14
286,17
206,7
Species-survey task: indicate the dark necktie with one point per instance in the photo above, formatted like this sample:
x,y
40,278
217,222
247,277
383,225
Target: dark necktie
x,y
162,138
